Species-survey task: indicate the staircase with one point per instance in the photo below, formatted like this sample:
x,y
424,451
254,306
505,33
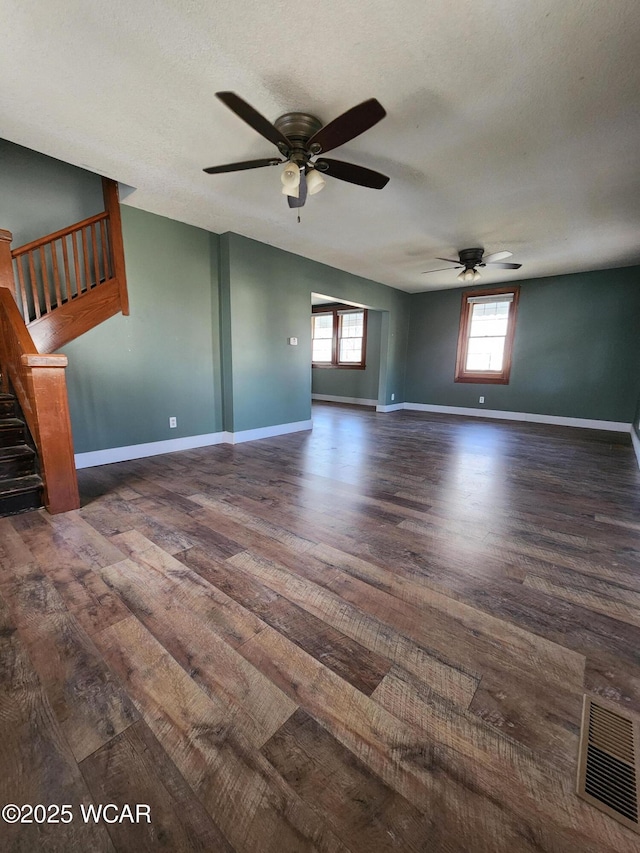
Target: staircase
x,y
52,290
20,484
68,282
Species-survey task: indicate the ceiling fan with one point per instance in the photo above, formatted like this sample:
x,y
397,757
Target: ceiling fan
x,y
300,138
469,259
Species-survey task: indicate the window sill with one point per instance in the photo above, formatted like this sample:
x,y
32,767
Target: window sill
x,y
340,366
483,378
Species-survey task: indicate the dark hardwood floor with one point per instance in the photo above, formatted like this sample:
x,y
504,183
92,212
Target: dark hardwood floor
x,y
372,637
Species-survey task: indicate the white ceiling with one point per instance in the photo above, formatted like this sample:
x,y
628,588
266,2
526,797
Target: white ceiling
x,y
510,125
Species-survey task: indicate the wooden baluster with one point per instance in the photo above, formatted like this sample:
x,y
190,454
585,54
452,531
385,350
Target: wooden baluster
x,y
67,276
76,262
94,247
105,250
45,279
56,274
23,290
85,253
33,281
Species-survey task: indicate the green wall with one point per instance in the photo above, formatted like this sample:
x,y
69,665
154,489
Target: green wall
x,y
206,340
361,384
39,195
269,300
127,376
270,380
576,350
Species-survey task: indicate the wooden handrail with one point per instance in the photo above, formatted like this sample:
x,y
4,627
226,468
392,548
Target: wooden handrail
x,y
57,235
38,381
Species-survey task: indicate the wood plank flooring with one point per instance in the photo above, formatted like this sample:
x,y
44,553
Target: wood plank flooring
x,y
372,637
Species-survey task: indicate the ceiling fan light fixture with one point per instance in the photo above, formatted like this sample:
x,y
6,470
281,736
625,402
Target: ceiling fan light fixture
x,y
469,259
298,136
315,181
290,176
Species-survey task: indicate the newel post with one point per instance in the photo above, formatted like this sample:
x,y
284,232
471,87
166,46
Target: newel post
x,y
6,280
6,261
46,383
112,206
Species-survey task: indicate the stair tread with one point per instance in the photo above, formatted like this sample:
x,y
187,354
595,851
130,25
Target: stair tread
x,y
10,423
20,484
15,451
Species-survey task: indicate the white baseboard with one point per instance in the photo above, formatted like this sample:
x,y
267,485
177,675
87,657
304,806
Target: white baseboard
x,y
636,444
268,432
584,423
355,401
155,448
152,448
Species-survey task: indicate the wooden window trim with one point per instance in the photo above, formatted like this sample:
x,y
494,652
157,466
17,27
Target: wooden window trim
x,y
334,364
487,377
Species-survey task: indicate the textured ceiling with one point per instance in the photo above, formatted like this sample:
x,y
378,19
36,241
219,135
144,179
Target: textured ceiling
x,y
511,125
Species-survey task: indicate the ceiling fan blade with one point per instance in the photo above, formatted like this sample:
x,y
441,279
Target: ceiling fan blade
x,y
449,260
506,266
441,269
302,193
347,126
246,164
253,118
352,173
496,256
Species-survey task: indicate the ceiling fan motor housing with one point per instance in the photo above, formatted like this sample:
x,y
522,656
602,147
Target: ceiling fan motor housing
x,y
298,128
471,258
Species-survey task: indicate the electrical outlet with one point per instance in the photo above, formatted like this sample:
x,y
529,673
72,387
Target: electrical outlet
x,y
393,397
482,399
173,423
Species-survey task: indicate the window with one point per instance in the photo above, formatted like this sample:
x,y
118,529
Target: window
x,y
485,340
338,336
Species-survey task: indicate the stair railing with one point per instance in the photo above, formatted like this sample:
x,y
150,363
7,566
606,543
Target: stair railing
x,y
38,381
65,266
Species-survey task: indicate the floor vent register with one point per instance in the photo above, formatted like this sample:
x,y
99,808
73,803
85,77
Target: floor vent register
x,y
609,762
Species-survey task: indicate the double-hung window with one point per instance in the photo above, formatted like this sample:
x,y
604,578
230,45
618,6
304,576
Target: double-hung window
x,y
338,336
485,339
